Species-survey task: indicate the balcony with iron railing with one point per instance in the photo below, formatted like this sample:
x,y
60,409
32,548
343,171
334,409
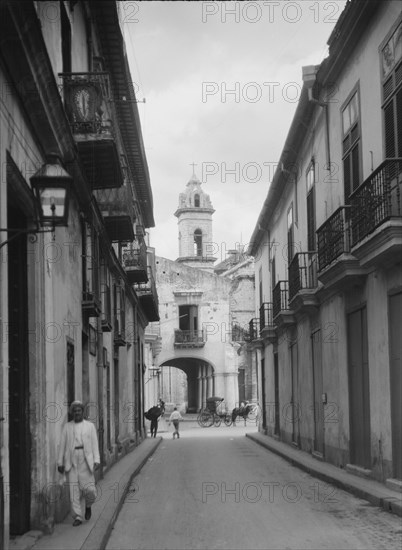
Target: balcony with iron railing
x,y
117,207
253,329
376,216
282,314
303,282
148,296
133,257
89,108
267,326
119,329
239,333
189,338
106,308
337,267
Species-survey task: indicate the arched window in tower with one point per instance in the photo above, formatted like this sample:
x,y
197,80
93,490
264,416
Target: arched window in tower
x,y
196,200
198,242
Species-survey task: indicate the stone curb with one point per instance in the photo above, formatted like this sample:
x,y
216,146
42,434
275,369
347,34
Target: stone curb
x,y
368,490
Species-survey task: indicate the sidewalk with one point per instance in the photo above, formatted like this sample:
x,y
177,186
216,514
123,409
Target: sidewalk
x,y
93,534
368,489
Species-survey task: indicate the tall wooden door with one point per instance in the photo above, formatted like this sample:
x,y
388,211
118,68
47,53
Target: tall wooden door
x,y
18,414
395,366
359,390
295,405
318,408
263,394
276,384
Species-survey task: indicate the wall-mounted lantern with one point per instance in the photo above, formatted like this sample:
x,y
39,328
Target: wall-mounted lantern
x,y
51,186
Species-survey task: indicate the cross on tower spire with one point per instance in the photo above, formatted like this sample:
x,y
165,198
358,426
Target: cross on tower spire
x,y
193,164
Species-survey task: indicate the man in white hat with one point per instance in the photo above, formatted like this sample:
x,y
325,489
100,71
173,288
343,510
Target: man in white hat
x,y
78,458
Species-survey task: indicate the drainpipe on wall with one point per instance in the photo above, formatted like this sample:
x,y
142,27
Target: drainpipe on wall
x,y
309,79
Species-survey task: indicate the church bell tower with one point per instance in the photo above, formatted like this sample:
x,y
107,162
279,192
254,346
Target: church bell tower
x,y
194,215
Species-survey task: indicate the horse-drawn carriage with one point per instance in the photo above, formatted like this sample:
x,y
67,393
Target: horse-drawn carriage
x,y
214,413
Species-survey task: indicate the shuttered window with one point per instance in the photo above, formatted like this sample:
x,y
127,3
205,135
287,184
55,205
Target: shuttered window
x,y
351,146
290,235
311,222
392,94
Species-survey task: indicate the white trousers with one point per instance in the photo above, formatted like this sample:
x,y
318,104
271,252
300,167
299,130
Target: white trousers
x,y
81,483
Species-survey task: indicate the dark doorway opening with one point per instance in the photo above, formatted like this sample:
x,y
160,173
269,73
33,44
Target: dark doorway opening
x,y
18,413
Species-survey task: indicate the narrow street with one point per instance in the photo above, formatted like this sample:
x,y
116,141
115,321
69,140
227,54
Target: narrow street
x,y
214,488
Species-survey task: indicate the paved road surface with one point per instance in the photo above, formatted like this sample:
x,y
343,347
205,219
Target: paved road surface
x,y
216,489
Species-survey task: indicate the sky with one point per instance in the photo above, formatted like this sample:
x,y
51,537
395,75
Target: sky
x,y
221,81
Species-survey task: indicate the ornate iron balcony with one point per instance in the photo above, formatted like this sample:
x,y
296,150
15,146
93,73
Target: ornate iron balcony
x,y
253,329
189,338
302,273
266,315
280,296
93,122
376,200
134,262
148,296
333,237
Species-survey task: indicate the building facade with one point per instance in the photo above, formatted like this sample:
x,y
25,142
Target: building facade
x,y
74,303
328,253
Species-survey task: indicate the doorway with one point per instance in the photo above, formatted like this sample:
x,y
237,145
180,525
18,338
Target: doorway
x,y
318,406
395,366
276,384
18,413
359,390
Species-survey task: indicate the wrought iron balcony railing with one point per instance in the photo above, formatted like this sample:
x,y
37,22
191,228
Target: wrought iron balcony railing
x,y
333,237
280,297
148,296
239,333
93,122
302,273
134,262
87,97
376,200
189,336
266,315
253,329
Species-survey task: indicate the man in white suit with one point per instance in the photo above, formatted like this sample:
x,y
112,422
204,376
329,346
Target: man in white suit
x,y
78,458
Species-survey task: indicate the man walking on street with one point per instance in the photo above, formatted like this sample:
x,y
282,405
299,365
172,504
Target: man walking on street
x,y
175,417
78,458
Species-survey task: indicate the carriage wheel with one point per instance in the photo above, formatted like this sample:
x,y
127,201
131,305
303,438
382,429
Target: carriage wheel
x,y
217,421
254,413
228,420
205,419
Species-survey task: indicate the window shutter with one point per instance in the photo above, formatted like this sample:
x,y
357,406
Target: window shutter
x,y
346,178
355,167
389,130
398,103
311,221
290,244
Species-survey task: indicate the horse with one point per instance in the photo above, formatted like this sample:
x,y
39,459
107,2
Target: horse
x,y
242,411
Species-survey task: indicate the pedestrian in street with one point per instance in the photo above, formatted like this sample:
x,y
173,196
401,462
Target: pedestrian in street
x,y
153,415
161,404
78,458
175,417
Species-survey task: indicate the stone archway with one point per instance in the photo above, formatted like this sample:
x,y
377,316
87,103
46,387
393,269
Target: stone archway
x,y
200,379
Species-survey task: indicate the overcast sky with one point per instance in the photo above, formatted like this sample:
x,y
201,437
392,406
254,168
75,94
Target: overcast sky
x,y
221,82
